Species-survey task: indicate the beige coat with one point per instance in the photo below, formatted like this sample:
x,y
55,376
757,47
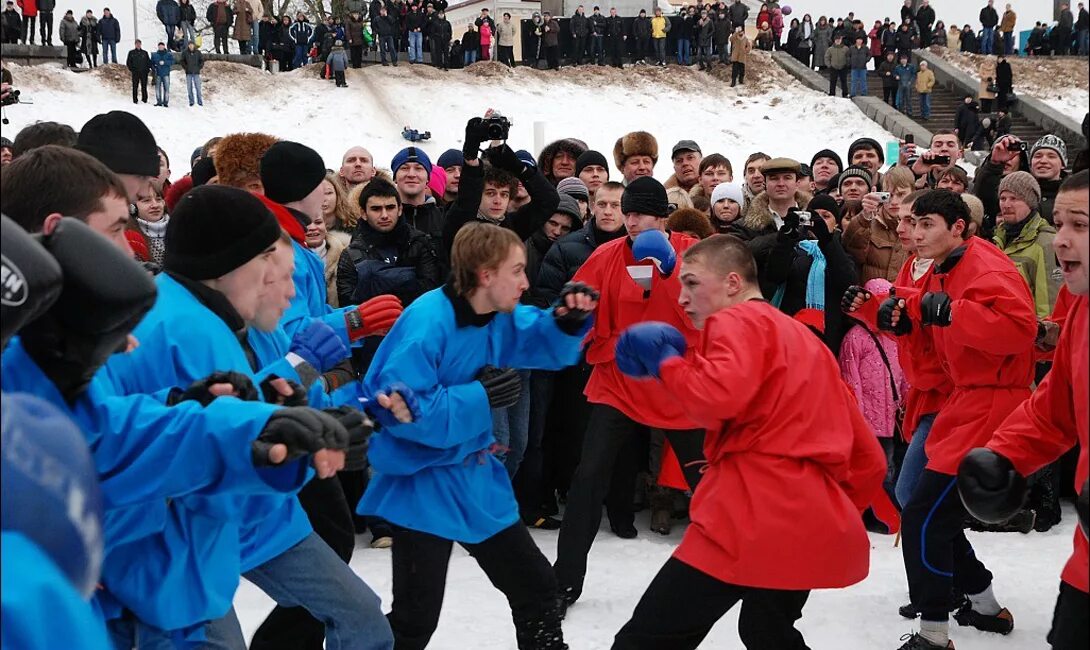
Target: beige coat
x,y
335,246
987,76
1006,25
925,81
953,39
740,47
244,20
876,248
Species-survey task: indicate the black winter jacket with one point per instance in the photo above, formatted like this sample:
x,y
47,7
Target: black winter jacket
x,y
138,62
615,27
109,29
598,24
537,247
384,26
441,30
401,262
739,12
564,259
580,26
989,17
641,27
188,13
1004,77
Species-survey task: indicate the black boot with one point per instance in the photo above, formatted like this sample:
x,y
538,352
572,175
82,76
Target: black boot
x,y
917,642
542,633
1001,623
565,598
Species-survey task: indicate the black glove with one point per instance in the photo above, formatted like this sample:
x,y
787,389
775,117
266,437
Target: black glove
x,y
503,157
935,309
850,295
359,434
571,322
991,489
32,280
1082,506
502,385
885,316
303,430
821,230
198,390
298,395
105,295
475,135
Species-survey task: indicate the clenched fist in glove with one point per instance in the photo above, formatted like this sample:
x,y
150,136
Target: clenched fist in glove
x,y
297,431
285,392
376,316
576,303
319,345
655,245
935,309
359,429
854,298
475,135
892,316
502,385
393,405
991,489
642,348
217,384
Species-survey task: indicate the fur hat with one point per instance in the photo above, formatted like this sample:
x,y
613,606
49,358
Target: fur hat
x,y
1024,186
690,220
238,157
572,146
1051,142
637,143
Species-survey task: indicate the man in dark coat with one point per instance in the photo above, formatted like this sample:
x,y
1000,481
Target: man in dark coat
x,y
615,38
139,64
440,32
580,28
925,18
641,31
739,12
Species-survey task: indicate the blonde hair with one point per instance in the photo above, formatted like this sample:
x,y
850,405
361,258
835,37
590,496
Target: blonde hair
x,y
898,178
478,246
344,217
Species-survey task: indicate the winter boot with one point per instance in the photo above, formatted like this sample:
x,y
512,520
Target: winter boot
x,y
541,522
565,598
542,633
1001,623
662,502
917,642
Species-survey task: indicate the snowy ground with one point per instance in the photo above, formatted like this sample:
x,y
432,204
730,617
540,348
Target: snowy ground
x,y
863,617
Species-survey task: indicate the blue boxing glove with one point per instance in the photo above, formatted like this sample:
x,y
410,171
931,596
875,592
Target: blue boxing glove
x,y
654,245
319,346
642,348
385,417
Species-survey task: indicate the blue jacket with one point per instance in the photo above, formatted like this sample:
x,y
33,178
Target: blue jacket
x,y
109,29
40,609
310,296
437,474
168,12
161,62
907,74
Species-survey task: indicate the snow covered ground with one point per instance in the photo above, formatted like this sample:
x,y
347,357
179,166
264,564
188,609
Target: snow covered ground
x,y
863,617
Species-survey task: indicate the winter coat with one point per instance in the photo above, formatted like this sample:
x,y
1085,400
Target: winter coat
x,y
875,247
1084,20
989,17
987,350
192,61
1009,19
706,33
505,34
89,36
822,41
987,77
471,40
722,32
925,17
29,8
353,30
564,259
168,12
416,20
1004,77
859,57
47,6
740,47
905,75
660,27
967,122
385,26
939,37
903,40
641,27
161,62
953,39
401,262
109,29
301,31
1032,253
485,34
138,62
625,303
925,81
766,40
615,28
867,373
885,71
212,15
836,57
68,31
907,13
739,12
441,30
1054,420
765,441
969,42
685,28
598,26
12,25
244,21
437,474
188,13
875,43
337,60
580,25
550,34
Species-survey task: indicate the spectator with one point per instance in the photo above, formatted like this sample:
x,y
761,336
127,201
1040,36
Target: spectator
x,y
854,183
987,90
139,64
385,29
471,44
110,32
325,35
953,39
726,206
636,154
1026,237
967,120
411,168
357,167
940,36
1048,164
765,39
823,38
867,153
765,15
170,15
220,17
704,32
925,18
925,83
577,190
955,179
1062,32
69,35
597,26
531,46
451,162
580,30
353,27
557,160
776,24
686,156
338,63
871,239
740,47
641,34
415,22
1004,82
506,32
875,35
887,72
329,249
6,149
989,18
244,26
944,150
89,38
660,27
486,29
754,180
192,62
149,227
567,218
1006,27
836,60
1082,29
187,14
904,41
592,168
440,32
340,216
825,166
714,170
616,37
739,12
858,56
301,31
161,62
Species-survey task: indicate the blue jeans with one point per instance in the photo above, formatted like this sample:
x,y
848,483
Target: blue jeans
x,y
130,632
109,51
311,575
684,51
170,35
1084,42
193,84
162,90
189,34
987,40
904,99
300,56
859,83
470,56
925,105
1008,43
416,44
511,426
914,462
387,46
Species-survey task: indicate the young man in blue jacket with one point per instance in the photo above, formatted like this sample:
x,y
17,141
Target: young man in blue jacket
x,y
436,480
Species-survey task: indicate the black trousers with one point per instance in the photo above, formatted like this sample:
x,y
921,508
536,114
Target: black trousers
x,y
842,75
889,95
219,38
552,56
339,77
140,81
579,49
29,28
72,54
440,53
1070,627
615,45
45,26
293,628
737,73
937,555
682,604
510,559
608,432
506,55
355,53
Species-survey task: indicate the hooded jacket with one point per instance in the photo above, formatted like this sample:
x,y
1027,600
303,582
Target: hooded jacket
x,y
1031,251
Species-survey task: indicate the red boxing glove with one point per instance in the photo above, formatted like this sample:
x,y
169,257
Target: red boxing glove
x,y
375,316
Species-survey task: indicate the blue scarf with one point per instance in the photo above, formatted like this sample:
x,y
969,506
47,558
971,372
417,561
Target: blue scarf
x,y
815,282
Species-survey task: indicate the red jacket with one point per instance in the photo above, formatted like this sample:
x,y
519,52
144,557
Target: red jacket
x,y
1064,300
1054,420
987,351
29,7
624,303
791,461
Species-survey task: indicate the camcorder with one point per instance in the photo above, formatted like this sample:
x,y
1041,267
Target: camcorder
x,y
496,127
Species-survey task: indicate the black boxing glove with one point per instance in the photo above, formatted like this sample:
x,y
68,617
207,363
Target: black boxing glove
x,y
935,309
502,385
302,430
298,396
30,280
885,316
105,295
991,489
571,321
199,391
853,292
359,429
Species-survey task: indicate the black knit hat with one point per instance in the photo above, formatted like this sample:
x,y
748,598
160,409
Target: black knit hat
x,y
867,143
215,229
645,195
121,142
825,202
588,158
831,155
290,171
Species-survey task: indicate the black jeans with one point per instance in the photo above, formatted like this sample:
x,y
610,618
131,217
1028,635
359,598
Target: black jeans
x,y
219,39
45,26
616,51
643,44
293,628
440,53
682,604
29,28
355,53
608,432
140,81
552,56
510,559
1070,629
579,49
889,95
737,73
937,555
842,75
506,55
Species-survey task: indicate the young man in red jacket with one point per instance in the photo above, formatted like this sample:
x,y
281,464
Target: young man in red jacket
x,y
979,314
791,462
635,277
992,481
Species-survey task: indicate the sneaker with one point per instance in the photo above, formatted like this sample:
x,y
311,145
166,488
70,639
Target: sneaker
x,y
917,642
1001,623
382,542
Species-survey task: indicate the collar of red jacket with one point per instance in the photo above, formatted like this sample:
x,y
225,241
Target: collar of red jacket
x,y
287,221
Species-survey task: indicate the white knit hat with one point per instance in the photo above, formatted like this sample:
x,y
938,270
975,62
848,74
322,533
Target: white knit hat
x,y
732,191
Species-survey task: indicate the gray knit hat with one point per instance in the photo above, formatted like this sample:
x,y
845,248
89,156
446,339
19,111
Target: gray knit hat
x,y
1024,186
1051,142
573,187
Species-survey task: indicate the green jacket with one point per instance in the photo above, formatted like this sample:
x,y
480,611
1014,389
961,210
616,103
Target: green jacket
x,y
1032,253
